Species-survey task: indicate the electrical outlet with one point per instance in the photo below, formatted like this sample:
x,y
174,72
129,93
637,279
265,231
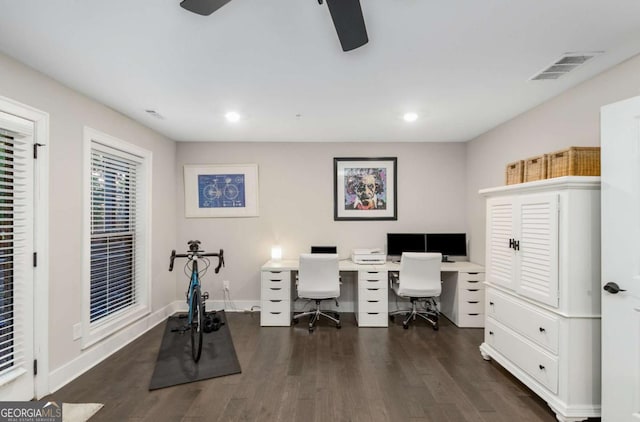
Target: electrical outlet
x,y
225,285
77,331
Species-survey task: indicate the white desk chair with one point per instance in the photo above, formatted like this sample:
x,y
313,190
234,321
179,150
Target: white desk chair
x,y
419,280
318,279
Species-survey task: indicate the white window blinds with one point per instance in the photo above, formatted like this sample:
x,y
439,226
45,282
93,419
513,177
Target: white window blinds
x,y
115,232
15,204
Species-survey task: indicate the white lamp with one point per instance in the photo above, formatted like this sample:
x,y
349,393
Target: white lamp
x,y
276,253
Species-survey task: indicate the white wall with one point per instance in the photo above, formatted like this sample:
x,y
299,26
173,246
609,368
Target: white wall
x,y
570,119
296,203
69,113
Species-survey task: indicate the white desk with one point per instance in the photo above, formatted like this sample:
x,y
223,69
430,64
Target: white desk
x,y
462,298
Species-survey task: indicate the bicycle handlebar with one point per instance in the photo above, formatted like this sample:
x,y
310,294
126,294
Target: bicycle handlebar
x,y
198,254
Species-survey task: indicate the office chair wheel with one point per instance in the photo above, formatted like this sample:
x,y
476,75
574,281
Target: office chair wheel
x,y
294,321
392,318
436,327
405,325
311,327
338,326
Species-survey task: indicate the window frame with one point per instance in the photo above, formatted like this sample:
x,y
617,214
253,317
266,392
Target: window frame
x,y
94,332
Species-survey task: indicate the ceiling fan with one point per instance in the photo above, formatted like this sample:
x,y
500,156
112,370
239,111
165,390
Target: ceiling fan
x,y
346,15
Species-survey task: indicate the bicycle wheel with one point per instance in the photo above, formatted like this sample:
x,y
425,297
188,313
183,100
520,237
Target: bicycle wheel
x,y
197,324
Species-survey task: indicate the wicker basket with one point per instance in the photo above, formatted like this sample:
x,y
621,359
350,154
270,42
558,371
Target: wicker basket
x,y
514,173
535,168
575,161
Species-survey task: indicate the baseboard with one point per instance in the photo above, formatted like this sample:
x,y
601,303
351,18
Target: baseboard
x,y
92,356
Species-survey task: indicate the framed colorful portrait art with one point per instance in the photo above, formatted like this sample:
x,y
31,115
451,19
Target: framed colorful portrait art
x,y
365,188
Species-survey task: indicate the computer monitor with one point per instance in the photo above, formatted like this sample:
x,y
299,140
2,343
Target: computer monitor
x,y
324,249
448,244
405,242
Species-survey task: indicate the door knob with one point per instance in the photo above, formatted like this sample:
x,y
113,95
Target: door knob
x,y
613,288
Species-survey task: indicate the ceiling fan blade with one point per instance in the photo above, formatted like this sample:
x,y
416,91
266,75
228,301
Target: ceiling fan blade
x,y
203,7
349,22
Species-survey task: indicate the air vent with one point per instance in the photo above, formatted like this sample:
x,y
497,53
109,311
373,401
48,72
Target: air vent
x,y
154,114
564,65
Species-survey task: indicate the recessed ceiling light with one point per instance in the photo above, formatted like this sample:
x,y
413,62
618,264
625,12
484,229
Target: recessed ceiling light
x,y
232,116
410,117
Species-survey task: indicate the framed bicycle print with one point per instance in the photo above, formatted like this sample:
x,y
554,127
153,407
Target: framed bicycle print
x,y
365,188
221,190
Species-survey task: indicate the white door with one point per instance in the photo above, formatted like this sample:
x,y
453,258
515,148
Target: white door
x,y
500,237
537,248
620,142
16,259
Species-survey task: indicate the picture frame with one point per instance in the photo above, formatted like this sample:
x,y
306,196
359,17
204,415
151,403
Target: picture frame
x,y
365,188
220,190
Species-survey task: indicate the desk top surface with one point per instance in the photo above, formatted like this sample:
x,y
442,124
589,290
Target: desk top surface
x,y
348,265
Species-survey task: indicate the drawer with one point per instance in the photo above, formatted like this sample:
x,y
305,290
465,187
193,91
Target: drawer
x,y
473,278
277,313
372,283
276,278
281,293
372,319
533,360
471,307
376,293
471,320
538,326
472,295
373,305
372,275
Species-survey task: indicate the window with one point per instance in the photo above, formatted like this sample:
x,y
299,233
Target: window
x,y
117,283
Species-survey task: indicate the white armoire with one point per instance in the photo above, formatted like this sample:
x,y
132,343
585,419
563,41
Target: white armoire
x,y
542,302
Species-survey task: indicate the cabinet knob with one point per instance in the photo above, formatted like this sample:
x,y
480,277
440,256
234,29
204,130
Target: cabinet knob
x,y
612,288
491,303
541,367
490,333
542,330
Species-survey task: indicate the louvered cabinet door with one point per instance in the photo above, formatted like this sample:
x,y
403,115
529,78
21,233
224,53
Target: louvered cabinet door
x,y
537,276
500,258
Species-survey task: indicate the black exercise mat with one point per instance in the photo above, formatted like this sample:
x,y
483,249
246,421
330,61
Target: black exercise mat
x,y
175,365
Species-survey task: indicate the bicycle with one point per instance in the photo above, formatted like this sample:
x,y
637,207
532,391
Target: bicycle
x,y
195,298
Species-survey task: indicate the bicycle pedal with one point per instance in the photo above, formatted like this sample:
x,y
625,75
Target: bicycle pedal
x,y
205,295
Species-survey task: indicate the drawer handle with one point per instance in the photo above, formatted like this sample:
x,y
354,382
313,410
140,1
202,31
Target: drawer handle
x,y
276,300
473,290
542,330
375,289
275,280
473,314
473,281
276,313
542,368
473,273
275,272
490,333
275,288
373,272
373,301
472,301
373,313
373,281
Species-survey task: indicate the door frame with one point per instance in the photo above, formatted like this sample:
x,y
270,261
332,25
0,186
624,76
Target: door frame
x,y
40,121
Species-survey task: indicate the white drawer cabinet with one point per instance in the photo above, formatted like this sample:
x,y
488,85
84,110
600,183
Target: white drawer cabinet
x,y
462,299
275,298
543,288
371,308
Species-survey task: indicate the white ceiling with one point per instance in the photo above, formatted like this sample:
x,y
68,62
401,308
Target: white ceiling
x,y
463,65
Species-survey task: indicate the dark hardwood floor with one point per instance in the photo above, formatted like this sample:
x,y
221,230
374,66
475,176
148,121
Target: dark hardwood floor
x,y
352,374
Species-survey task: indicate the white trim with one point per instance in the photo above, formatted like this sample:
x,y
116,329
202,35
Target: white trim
x,y
92,334
40,121
92,356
